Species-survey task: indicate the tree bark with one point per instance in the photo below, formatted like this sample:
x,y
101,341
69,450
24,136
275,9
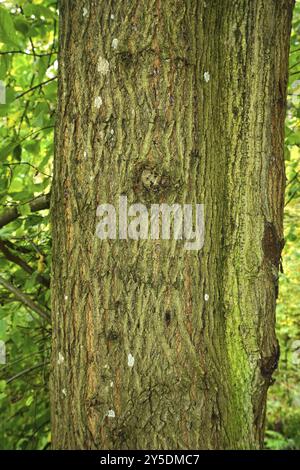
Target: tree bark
x,y
193,93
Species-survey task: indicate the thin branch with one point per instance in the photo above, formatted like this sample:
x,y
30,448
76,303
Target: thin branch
x,y
24,298
54,40
35,87
30,134
291,197
295,50
21,358
24,372
295,177
35,247
32,48
28,164
20,262
45,54
293,66
25,107
38,204
13,247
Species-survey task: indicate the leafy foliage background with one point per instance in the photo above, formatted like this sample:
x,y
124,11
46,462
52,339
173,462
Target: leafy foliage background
x,y
28,68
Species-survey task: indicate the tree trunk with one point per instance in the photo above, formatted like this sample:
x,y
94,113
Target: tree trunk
x,y
155,346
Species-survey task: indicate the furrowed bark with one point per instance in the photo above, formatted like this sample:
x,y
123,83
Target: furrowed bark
x,y
191,93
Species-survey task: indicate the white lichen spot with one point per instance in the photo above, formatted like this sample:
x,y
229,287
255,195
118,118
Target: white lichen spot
x,y
84,12
106,366
103,66
91,177
206,297
206,76
111,384
130,360
115,43
112,132
66,297
60,359
112,17
98,102
111,414
84,154
64,392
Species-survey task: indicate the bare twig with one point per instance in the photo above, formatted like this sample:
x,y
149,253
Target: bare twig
x,y
24,372
25,107
13,247
295,50
38,204
20,262
24,298
28,164
35,87
45,54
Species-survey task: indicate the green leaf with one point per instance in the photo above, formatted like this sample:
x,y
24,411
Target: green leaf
x,y
33,147
5,61
7,150
22,26
25,209
2,385
17,152
38,11
2,329
42,66
7,28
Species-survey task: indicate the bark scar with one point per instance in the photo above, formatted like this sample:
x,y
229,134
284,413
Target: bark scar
x,y
269,364
272,245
